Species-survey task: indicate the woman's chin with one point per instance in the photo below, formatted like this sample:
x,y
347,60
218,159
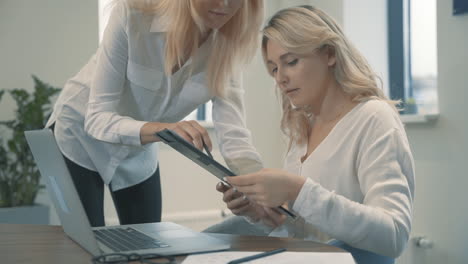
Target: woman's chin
x,y
297,103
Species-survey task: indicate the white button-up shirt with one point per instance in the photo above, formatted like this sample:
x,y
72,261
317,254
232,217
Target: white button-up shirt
x,y
360,183
100,111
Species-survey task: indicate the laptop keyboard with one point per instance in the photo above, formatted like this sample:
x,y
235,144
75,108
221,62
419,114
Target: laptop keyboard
x,y
126,239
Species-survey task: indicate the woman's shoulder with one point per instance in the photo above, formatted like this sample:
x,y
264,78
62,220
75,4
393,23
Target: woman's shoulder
x,y
379,113
132,10
378,106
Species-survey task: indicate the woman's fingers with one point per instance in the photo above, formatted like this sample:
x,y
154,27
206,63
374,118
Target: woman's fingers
x,y
251,179
222,187
250,189
203,133
230,195
182,133
275,216
196,137
193,132
257,198
243,210
235,201
238,202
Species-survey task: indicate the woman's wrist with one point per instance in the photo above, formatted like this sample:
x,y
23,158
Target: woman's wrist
x,y
296,187
148,132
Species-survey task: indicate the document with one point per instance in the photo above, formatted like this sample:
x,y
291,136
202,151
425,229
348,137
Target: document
x,y
288,257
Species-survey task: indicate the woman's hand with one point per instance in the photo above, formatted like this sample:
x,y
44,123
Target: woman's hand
x,y
191,131
239,205
268,187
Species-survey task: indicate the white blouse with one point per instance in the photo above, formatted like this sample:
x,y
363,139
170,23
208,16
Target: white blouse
x,y
360,183
100,111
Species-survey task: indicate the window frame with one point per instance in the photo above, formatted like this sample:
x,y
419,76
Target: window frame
x,y
401,79
399,50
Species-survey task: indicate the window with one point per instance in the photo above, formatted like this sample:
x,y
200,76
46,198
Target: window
x,y
412,34
202,113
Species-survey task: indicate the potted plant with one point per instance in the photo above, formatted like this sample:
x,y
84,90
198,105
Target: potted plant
x,y
411,108
19,176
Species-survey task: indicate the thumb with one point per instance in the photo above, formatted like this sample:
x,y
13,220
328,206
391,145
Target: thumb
x,y
222,187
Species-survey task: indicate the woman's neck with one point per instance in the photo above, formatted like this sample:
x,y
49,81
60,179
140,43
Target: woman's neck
x,y
335,104
204,37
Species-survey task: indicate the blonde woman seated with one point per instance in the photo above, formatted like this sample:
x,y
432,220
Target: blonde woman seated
x,y
349,171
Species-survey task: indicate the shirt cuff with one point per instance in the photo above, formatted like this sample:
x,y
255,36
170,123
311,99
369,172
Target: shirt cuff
x,y
259,224
129,131
250,220
308,203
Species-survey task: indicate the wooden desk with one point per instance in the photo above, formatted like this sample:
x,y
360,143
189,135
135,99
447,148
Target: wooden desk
x,y
49,244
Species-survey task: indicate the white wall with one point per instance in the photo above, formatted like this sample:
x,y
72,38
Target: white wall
x,y
333,7
50,39
365,24
441,149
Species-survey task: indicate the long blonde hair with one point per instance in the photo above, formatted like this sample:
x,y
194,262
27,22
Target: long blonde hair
x,y
233,44
303,29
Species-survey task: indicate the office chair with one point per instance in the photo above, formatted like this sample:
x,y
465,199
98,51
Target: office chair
x,y
362,256
236,225
239,226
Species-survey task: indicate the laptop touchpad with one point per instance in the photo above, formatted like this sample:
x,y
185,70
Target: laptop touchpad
x,y
171,234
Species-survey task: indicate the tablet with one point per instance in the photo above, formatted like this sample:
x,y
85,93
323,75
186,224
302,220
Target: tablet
x,y
190,151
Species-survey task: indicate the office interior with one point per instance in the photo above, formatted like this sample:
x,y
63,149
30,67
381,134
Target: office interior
x,y
52,39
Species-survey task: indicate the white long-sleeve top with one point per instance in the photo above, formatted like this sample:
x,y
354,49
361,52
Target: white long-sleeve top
x,y
359,183
99,113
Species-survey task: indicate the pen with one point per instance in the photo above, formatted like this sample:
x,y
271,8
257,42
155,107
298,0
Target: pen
x,y
257,256
206,149
287,212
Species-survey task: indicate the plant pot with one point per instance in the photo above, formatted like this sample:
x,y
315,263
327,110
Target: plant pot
x,y
36,214
411,109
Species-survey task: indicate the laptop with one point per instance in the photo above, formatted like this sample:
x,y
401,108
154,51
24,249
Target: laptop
x,y
165,238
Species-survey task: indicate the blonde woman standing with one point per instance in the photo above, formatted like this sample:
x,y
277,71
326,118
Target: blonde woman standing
x,y
158,61
349,171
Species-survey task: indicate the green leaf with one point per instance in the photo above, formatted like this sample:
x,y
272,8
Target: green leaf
x,y
19,176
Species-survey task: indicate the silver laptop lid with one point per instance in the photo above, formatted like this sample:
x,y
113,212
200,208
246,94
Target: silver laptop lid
x,y
60,186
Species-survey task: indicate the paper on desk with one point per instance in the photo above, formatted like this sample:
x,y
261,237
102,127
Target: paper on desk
x,y
288,257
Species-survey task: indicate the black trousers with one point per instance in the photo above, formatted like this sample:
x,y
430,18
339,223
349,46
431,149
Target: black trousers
x,y
141,203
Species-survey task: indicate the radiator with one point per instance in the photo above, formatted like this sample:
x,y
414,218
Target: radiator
x,y
418,250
